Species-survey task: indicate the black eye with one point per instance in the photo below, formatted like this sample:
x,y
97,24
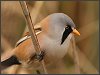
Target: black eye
x,y
67,27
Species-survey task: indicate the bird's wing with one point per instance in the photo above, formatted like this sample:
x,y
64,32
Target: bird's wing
x,y
9,58
37,28
26,36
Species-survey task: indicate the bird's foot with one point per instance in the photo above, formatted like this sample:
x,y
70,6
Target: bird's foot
x,y
40,55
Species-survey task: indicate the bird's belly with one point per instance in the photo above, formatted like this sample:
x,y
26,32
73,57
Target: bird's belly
x,y
55,51
56,54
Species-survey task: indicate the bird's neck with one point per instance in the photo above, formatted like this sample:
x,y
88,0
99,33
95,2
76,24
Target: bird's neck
x,y
54,34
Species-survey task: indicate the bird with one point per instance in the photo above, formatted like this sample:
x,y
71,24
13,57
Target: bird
x,y
54,39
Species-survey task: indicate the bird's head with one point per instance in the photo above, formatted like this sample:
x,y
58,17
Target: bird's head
x,y
59,24
69,27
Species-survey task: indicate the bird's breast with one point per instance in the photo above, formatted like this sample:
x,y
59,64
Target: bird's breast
x,y
54,50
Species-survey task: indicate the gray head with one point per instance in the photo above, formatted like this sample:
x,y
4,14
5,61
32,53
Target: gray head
x,y
59,24
61,19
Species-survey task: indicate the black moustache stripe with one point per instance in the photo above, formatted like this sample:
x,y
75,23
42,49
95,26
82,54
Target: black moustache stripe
x,y
65,34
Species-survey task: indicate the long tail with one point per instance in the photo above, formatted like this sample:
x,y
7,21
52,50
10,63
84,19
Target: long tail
x,y
8,59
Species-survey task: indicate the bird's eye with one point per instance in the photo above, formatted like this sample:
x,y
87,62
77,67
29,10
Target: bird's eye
x,y
66,27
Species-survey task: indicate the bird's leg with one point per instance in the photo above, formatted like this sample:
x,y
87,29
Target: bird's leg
x,y
37,56
40,55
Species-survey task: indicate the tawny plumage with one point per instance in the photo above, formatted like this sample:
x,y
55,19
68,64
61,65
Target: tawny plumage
x,y
56,32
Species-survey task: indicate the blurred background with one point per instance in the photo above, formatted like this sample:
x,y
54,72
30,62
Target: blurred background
x,y
85,14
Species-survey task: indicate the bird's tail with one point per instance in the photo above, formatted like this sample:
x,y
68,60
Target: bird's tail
x,y
8,59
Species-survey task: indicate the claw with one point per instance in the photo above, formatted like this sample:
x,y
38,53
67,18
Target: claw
x,y
40,56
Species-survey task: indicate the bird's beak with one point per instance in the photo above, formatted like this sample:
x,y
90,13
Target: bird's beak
x,y
76,32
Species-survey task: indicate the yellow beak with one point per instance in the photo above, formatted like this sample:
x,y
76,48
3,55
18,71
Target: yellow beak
x,y
76,32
